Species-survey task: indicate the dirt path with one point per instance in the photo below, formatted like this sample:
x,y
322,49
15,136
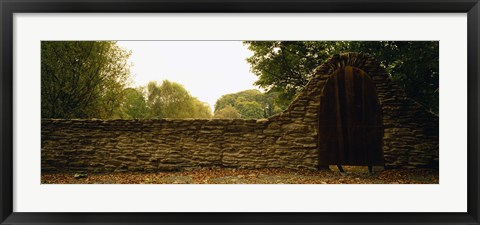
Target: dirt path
x,y
246,176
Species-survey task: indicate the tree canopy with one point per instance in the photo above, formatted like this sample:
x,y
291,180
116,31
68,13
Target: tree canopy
x,y
248,104
286,66
134,105
229,112
82,79
90,79
172,100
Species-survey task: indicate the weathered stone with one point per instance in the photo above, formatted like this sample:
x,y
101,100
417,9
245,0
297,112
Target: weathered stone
x,y
287,140
295,128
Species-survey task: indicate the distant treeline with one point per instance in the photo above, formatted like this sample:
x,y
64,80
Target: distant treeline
x,y
248,104
172,100
165,100
90,79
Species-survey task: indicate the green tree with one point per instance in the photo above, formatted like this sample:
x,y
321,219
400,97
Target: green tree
x,y
250,109
228,112
201,109
286,66
413,65
134,105
82,79
172,100
225,101
250,104
231,99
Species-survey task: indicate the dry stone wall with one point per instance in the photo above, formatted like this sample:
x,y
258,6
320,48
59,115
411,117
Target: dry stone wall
x,y
287,140
151,145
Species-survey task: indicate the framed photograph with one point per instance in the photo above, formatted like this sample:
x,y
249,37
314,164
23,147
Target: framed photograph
x,y
239,112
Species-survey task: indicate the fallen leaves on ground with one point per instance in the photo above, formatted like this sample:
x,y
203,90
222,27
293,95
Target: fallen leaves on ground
x,y
252,176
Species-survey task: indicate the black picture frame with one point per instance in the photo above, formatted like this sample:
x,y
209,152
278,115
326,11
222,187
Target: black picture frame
x,y
9,7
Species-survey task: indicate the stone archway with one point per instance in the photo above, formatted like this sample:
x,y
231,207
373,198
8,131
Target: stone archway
x,y
350,130
410,137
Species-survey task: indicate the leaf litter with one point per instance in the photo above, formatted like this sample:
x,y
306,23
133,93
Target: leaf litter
x,y
250,176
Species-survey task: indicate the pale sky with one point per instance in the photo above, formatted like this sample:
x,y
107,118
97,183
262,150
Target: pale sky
x,y
207,69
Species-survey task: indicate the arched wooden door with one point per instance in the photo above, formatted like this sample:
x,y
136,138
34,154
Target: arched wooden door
x,y
350,130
